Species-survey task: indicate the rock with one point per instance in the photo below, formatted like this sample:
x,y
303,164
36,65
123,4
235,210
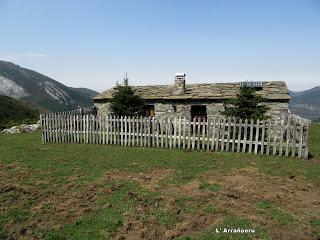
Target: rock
x,y
11,130
22,128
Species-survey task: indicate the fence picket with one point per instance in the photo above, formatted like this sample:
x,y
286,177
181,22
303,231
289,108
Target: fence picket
x,y
161,132
306,138
213,135
275,133
269,137
194,133
251,135
218,134
179,132
281,136
294,135
189,134
223,128
208,134
239,135
262,137
244,145
257,137
300,140
228,134
198,132
234,130
203,142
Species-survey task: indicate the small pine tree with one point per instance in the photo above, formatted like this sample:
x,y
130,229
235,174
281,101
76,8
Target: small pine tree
x,y
247,105
125,102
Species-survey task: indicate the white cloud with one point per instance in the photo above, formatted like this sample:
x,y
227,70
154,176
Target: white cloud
x,y
40,55
21,56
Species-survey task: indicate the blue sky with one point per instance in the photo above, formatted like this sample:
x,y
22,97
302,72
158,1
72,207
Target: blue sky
x,y
93,43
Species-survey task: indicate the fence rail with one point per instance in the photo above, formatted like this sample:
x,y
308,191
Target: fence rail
x,y
285,137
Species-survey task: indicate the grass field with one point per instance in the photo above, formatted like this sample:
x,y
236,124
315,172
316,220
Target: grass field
x,y
78,191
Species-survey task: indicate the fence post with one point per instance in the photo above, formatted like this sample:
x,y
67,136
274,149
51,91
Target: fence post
x,y
294,135
262,137
208,134
213,134
218,134
157,129
234,130
251,136
257,137
179,132
239,135
133,139
131,128
281,136
198,133
269,137
193,133
153,129
223,128
149,131
203,142
161,131
170,133
244,146
274,148
300,140
174,132
306,148
228,133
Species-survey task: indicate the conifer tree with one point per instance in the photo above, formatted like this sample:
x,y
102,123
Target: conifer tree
x,y
125,102
247,105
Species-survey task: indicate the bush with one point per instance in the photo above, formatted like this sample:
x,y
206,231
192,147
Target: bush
x,y
125,102
247,105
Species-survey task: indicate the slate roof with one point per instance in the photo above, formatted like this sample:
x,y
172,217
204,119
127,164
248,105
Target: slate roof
x,y
273,90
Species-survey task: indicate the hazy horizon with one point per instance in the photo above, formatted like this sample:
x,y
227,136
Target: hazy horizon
x,y
93,44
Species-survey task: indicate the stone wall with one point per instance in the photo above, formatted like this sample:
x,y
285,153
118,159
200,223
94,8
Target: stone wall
x,y
102,108
277,109
177,109
166,110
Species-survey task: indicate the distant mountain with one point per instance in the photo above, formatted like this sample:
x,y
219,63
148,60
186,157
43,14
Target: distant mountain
x,y
86,91
306,103
22,83
15,111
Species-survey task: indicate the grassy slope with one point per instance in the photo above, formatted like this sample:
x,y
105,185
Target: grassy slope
x,y
14,111
50,167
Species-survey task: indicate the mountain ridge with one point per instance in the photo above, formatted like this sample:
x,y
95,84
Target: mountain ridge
x,y
306,103
29,85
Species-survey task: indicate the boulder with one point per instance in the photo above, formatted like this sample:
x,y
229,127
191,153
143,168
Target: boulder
x,y
22,128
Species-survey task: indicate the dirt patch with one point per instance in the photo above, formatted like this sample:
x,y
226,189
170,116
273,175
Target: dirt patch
x,y
239,193
48,207
148,179
190,189
137,229
243,189
293,192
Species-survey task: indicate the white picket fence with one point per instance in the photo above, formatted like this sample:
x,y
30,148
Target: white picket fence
x,y
287,137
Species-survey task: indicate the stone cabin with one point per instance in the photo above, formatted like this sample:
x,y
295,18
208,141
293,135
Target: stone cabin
x,y
199,100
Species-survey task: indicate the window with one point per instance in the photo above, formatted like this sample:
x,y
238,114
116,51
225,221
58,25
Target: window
x,y
199,111
149,111
174,108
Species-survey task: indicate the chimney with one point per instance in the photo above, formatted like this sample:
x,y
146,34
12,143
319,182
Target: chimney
x,y
180,83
